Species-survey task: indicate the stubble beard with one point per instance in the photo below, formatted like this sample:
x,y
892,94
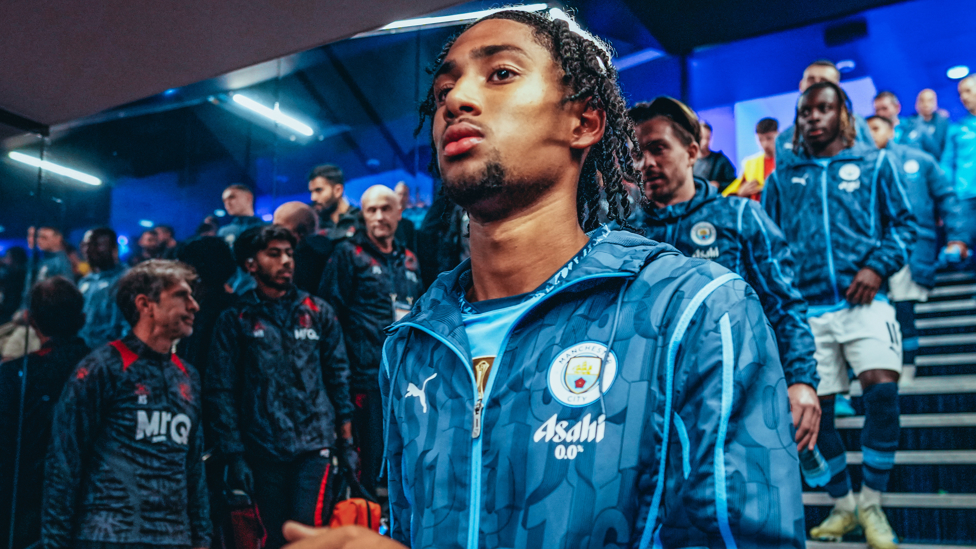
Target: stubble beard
x,y
493,194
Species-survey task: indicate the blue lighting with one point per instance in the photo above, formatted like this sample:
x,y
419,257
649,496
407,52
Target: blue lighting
x,y
267,217
846,65
123,240
146,223
171,91
220,213
958,72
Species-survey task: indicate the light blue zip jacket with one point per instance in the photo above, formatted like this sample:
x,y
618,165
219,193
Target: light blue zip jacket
x,y
959,156
689,444
839,215
933,198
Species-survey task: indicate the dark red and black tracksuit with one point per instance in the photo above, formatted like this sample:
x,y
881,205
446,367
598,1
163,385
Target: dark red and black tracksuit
x,y
277,387
125,468
368,288
47,370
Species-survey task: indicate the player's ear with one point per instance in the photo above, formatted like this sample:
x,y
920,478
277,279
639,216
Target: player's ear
x,y
591,122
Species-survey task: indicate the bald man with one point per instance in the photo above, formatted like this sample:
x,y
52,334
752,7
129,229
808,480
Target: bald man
x,y
819,71
312,251
930,120
371,280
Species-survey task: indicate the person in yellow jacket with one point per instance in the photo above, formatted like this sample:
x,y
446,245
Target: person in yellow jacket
x,y
759,165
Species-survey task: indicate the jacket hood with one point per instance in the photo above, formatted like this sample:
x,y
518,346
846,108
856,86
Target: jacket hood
x,y
609,254
704,193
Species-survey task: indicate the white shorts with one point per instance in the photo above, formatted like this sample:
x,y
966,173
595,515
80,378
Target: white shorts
x,y
901,287
866,337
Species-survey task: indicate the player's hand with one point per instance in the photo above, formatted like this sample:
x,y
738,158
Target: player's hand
x,y
805,406
748,188
864,287
961,246
346,537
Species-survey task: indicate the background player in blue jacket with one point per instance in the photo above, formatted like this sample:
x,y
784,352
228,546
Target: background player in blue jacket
x,y
819,71
850,227
692,215
933,199
564,388
959,157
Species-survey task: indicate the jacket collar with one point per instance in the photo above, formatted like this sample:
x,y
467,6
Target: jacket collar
x,y
704,193
362,239
144,351
252,297
854,153
607,254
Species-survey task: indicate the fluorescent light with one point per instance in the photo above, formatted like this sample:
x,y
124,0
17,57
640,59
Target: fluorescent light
x,y
457,18
56,168
638,58
958,72
273,114
146,223
846,65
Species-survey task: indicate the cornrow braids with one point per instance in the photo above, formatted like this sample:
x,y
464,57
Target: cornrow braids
x,y
848,131
589,76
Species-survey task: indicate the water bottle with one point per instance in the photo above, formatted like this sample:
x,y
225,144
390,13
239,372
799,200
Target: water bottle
x,y
814,467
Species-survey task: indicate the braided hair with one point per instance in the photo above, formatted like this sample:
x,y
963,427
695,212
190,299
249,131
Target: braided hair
x,y
588,76
848,131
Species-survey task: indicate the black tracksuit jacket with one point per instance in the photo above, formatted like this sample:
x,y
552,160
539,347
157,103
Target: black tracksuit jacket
x,y
366,287
48,370
125,461
278,379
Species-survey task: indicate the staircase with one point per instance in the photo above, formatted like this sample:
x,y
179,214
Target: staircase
x,y
931,499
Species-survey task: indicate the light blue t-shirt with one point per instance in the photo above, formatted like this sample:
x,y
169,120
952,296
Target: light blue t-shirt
x,y
487,322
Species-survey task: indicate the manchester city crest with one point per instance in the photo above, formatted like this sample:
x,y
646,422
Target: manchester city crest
x,y
849,172
575,372
703,233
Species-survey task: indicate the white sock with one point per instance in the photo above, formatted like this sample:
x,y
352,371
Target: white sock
x,y
868,497
846,503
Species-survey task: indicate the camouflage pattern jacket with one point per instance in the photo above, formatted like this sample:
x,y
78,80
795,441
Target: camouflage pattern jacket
x,y
125,463
679,435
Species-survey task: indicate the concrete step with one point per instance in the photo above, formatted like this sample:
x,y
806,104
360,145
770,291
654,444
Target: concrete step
x,y
914,501
945,306
930,385
924,457
862,545
958,289
910,421
947,340
949,359
959,276
945,322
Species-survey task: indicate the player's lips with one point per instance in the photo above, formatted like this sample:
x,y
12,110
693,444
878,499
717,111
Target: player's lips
x,y
815,132
460,138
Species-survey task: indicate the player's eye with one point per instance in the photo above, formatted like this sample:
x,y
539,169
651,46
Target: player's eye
x,y
501,74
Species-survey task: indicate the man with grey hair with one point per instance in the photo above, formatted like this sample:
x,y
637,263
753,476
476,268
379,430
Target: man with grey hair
x,y
371,280
125,465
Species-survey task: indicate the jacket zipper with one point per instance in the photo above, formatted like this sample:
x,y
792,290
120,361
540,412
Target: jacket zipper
x,y
482,381
481,371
